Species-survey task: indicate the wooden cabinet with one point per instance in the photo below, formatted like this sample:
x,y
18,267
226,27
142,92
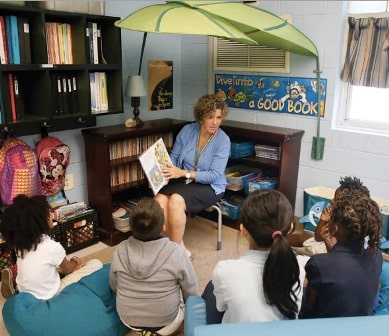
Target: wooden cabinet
x,y
53,82
285,169
113,169
286,139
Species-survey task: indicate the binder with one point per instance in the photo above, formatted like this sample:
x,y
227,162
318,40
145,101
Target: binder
x,y
65,94
9,39
60,96
95,46
102,59
3,42
12,96
89,34
24,40
70,94
19,103
15,39
103,91
93,93
74,93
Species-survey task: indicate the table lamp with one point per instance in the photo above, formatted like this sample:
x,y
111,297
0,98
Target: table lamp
x,y
136,89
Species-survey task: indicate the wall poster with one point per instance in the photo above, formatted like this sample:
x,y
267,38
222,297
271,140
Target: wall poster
x,y
293,95
160,89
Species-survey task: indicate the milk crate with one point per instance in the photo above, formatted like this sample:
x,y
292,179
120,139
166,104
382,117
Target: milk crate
x,y
79,232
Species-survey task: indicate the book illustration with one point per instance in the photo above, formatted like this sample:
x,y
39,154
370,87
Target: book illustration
x,y
151,161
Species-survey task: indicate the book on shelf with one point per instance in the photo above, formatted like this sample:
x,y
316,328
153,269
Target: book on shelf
x,y
24,40
3,42
19,103
12,96
102,59
15,39
155,157
73,79
8,32
99,92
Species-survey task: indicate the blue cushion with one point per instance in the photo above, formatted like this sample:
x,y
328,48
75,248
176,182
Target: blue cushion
x,y
86,308
195,314
383,297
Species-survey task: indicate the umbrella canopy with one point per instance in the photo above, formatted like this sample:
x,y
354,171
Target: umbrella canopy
x,y
262,26
178,18
234,21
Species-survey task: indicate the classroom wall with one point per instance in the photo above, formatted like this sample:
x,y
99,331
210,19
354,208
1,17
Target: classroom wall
x,y
346,153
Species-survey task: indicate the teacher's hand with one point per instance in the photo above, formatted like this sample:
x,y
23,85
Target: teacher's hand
x,y
170,172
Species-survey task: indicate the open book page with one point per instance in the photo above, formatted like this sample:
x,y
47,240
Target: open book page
x,y
151,161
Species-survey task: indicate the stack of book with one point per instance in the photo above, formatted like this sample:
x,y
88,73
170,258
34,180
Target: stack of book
x,y
267,152
66,212
59,43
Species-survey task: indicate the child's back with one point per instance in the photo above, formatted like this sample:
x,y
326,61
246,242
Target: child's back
x,y
150,273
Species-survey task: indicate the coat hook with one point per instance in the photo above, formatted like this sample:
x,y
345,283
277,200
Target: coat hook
x,y
46,124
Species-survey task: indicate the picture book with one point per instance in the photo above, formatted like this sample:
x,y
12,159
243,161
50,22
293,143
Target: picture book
x,y
151,161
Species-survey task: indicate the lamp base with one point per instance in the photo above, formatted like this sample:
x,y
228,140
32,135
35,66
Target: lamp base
x,y
138,121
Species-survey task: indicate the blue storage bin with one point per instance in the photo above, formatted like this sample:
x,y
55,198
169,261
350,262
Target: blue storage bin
x,y
241,149
229,209
260,183
238,175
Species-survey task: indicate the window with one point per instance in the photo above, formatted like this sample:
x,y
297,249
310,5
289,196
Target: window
x,y
365,108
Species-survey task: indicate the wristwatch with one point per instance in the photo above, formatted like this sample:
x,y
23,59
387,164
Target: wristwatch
x,y
187,175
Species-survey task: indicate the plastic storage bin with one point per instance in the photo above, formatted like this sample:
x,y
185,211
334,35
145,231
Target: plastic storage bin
x,y
241,149
260,183
229,209
238,175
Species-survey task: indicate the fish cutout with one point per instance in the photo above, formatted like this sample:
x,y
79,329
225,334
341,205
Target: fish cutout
x,y
314,213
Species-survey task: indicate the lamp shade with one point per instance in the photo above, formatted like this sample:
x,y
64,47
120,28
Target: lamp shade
x,y
135,87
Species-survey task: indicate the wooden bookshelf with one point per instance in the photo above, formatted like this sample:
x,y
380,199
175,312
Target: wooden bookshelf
x,y
55,90
114,173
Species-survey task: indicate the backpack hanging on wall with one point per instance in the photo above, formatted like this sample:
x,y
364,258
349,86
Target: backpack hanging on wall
x,y
53,159
19,172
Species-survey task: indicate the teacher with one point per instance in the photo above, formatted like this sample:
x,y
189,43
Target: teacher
x,y
199,156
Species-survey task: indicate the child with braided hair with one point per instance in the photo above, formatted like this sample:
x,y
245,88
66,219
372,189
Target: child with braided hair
x,y
345,281
265,284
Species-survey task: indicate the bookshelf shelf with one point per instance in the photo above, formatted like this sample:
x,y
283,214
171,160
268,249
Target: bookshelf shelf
x,y
66,104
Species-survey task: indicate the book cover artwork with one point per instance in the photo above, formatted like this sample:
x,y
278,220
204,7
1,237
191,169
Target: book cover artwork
x,y
151,161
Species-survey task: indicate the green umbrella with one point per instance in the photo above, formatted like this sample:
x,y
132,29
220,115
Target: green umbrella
x,y
262,26
177,18
234,21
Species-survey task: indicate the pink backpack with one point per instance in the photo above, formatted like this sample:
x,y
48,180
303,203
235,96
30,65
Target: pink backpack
x,y
19,173
53,159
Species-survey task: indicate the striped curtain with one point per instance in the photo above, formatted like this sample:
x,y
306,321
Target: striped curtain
x,y
367,58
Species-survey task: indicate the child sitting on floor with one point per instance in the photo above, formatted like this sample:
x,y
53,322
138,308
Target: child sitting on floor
x,y
266,283
345,281
151,274
41,262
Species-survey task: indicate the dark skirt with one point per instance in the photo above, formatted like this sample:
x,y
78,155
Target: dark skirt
x,y
197,196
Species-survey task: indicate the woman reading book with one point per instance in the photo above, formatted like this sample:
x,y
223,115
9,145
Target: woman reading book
x,y
196,178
